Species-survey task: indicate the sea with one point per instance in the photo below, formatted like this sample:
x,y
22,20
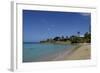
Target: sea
x,y
37,52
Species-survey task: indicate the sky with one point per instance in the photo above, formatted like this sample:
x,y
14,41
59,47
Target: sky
x,y
41,25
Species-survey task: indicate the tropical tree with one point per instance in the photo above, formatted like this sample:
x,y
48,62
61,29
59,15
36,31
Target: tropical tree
x,y
87,37
56,38
78,33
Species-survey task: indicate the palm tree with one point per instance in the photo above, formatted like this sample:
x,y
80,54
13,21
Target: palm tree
x,y
78,34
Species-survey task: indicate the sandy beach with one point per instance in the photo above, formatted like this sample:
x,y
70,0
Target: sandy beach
x,y
81,52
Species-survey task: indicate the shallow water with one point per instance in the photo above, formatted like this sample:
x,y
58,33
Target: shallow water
x,y
33,52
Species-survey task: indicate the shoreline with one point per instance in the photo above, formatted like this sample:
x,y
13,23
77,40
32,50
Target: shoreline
x,y
82,51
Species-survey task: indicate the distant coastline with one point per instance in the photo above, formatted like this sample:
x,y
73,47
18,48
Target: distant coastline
x,y
30,42
86,38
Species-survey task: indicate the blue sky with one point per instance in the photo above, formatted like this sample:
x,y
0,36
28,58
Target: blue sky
x,y
40,25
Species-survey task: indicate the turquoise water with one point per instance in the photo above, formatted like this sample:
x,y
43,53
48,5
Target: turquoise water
x,y
33,52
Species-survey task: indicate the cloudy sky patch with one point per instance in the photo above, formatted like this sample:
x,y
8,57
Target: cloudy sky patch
x,y
85,14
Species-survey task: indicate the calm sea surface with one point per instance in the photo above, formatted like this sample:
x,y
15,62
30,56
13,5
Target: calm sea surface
x,y
33,52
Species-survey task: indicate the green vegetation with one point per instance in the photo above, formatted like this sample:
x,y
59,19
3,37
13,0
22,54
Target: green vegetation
x,y
86,38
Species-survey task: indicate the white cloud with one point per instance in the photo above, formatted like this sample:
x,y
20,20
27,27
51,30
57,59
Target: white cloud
x,y
85,14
